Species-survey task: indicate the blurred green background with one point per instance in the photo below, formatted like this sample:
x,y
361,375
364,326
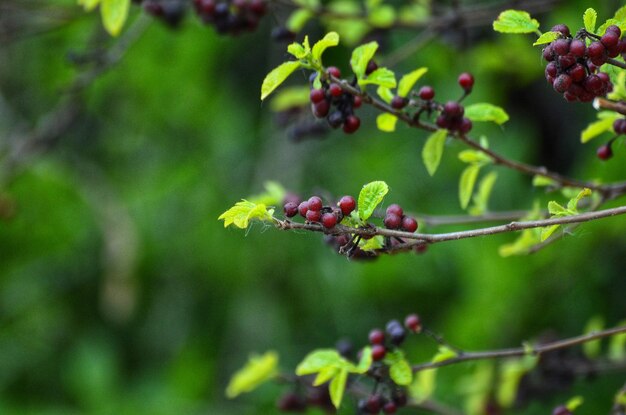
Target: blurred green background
x,y
120,292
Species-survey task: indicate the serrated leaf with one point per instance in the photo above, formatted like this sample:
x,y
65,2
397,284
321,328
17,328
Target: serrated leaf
x,y
382,16
366,360
277,76
88,5
424,385
592,348
572,205
620,14
486,112
617,346
385,94
481,197
318,360
596,128
114,14
244,211
372,244
292,97
444,353
325,375
574,403
556,210
466,184
296,21
337,387
474,156
515,21
547,37
541,181
433,150
361,57
386,122
331,39
371,195
382,77
408,81
257,371
589,19
546,231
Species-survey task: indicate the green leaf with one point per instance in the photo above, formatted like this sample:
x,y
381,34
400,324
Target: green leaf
x,y
88,5
589,18
326,374
318,360
546,231
401,373
620,14
298,19
331,39
114,15
547,37
572,205
257,371
297,50
515,21
244,211
370,197
361,57
574,403
444,353
556,210
277,76
620,23
337,387
596,128
541,181
308,4
381,76
617,346
386,122
292,97
592,348
408,81
481,197
486,112
433,150
466,183
474,156
273,195
382,16
521,246
385,94
366,360
372,244
511,373
424,385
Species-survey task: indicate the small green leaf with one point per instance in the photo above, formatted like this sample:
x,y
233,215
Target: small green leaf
x,y
511,373
257,371
424,385
114,15
521,246
481,197
381,76
277,76
486,112
541,181
589,18
308,4
596,128
385,93
298,19
592,348
572,205
556,210
331,39
408,81
515,21
547,37
372,244
297,50
466,183
273,195
433,150
318,360
325,375
401,373
474,156
361,57
382,16
619,23
444,353
244,211
370,197
546,231
386,122
620,14
617,346
337,387
292,97
574,403
366,360
89,5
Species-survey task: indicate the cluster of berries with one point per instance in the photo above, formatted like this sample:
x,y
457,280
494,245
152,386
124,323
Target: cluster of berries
x,y
605,151
451,113
572,68
313,210
331,102
314,397
171,12
396,219
231,17
377,402
396,332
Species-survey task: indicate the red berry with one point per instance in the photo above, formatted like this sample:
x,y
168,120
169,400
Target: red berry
x,y
399,102
562,83
303,208
453,109
466,126
566,61
427,93
378,352
394,209
596,50
317,95
320,110
356,101
392,221
563,29
615,29
413,323
347,204
548,53
377,336
442,121
290,209
334,71
390,408
351,124
315,203
258,7
610,39
466,81
577,48
604,152
577,72
313,215
593,84
409,224
329,220
551,69
335,90
561,46
373,404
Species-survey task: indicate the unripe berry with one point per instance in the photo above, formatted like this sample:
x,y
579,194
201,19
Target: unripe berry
x,y
413,323
427,93
399,102
604,152
290,209
466,81
409,224
347,204
378,352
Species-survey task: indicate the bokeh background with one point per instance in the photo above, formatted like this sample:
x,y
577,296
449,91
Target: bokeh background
x,y
121,292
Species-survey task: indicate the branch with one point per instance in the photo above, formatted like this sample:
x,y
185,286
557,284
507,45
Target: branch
x,y
522,351
607,104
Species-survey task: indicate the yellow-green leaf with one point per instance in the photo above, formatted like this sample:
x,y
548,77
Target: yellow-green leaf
x,y
589,19
382,77
401,373
596,128
540,181
297,50
244,211
337,387
386,122
382,16
89,5
444,353
298,19
433,150
370,197
277,76
474,156
114,15
324,375
257,371
617,346
408,81
515,21
366,360
546,231
572,205
291,97
481,197
385,94
361,57
592,348
466,183
318,360
372,244
424,385
486,112
574,403
547,37
521,246
331,39
273,195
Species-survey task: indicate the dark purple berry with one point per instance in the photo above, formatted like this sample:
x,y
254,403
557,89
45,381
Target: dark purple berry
x,y
313,215
378,352
392,221
391,325
604,152
315,203
442,121
566,61
561,46
390,408
334,71
466,81
258,7
371,67
413,323
619,126
453,109
351,124
347,204
596,50
548,53
291,402
563,29
577,48
397,334
465,126
399,102
427,93
409,224
320,110
562,83
356,101
303,208
593,84
551,70
610,39
335,90
577,72
335,119
394,209
290,209
317,95
373,404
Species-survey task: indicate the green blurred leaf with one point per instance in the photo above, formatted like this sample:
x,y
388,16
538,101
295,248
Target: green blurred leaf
x,y
366,360
433,150
574,403
589,19
540,181
444,353
617,346
385,94
466,183
474,156
572,205
481,197
371,195
620,14
511,373
486,112
547,37
273,195
298,19
386,122
592,348
309,4
546,231
244,211
361,57
556,209
382,16
521,246
331,39
88,5
257,371
596,128
277,76
320,359
325,374
114,15
424,385
399,368
291,97
372,244
297,50
337,387
408,81
381,76
515,21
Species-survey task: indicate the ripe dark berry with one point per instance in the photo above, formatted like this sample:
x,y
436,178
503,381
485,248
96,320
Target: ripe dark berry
x,y
577,72
566,61
593,84
290,209
427,93
548,53
409,224
392,325
392,221
315,203
258,7
320,110
335,90
373,404
615,29
561,46
351,124
465,126
334,71
561,410
466,81
610,39
399,102
394,209
356,101
303,208
596,50
442,121
551,70
317,95
399,397
377,336
619,126
390,408
329,220
604,152
378,352
313,215
563,29
577,48
453,109
413,323
397,334
335,119
347,204
562,83
371,67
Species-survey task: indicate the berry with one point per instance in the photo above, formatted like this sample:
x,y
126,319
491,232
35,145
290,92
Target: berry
x,y
258,7
561,47
577,48
442,121
548,53
409,224
313,215
392,221
596,50
413,323
329,220
619,126
593,84
399,102
291,402
347,204
397,334
373,404
466,81
551,70
378,352
351,124
377,336
562,83
615,29
335,119
394,209
563,29
566,61
561,410
344,347
290,209
390,408
427,93
371,67
399,397
466,126
335,90
610,39
453,109
317,95
604,152
577,72
303,208
315,203
334,71
356,101
320,110
391,325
